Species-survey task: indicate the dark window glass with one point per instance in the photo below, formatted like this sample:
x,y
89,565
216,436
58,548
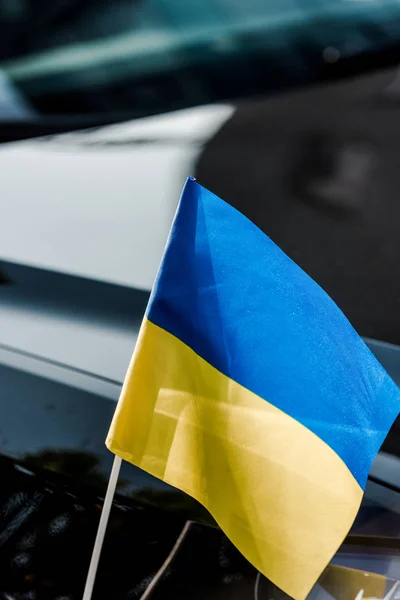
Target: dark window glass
x,y
148,56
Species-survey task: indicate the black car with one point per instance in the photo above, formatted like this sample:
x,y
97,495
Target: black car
x,y
287,110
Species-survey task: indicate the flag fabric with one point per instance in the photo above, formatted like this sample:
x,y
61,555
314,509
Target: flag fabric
x,y
249,390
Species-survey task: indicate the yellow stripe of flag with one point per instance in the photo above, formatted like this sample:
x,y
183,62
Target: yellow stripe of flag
x,y
260,473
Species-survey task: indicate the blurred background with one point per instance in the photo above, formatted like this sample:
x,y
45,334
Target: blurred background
x,y
287,109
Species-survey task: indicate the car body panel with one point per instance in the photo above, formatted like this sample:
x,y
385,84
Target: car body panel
x,y
110,220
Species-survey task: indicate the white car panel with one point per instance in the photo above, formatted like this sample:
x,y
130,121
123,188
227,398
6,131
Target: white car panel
x,y
99,204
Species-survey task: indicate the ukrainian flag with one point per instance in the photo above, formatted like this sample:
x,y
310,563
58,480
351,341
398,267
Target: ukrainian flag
x,y
250,391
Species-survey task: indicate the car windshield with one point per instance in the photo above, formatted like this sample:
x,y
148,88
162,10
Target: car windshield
x,y
74,57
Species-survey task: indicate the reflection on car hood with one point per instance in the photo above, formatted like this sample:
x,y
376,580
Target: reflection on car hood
x,y
99,204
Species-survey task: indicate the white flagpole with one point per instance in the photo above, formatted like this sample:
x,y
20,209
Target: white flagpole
x,y
105,515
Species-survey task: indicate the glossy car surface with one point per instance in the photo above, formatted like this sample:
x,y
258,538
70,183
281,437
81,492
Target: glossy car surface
x,y
299,130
